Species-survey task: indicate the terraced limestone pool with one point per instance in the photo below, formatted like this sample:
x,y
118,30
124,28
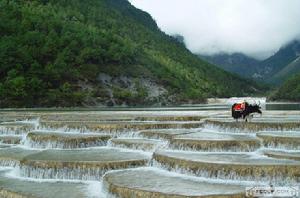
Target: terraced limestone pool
x,y
196,151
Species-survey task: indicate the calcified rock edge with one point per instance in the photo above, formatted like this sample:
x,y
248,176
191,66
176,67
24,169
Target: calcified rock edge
x,y
167,153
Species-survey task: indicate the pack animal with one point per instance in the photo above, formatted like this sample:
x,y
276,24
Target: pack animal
x,y
244,110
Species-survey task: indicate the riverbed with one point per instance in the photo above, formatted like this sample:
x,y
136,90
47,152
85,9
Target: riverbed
x,y
185,151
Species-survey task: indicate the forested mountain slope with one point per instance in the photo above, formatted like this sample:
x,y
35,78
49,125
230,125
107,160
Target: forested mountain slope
x,y
274,69
289,91
93,52
286,55
236,63
288,71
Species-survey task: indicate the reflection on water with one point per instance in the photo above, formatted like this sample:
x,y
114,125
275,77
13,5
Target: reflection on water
x,y
283,106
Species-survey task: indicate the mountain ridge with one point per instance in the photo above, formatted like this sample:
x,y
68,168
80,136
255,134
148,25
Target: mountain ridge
x,y
270,70
99,52
288,71
236,63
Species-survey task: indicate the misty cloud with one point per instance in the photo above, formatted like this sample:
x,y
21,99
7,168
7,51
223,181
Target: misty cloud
x,y
257,28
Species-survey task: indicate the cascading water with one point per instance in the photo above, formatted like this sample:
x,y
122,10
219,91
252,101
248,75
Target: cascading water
x,y
97,153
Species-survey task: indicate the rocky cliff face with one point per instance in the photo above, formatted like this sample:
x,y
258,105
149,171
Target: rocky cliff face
x,y
123,90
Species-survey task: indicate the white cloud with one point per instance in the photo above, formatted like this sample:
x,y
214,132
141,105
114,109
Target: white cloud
x,y
257,28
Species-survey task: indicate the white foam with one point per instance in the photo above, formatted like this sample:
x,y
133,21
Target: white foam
x,y
226,178
97,190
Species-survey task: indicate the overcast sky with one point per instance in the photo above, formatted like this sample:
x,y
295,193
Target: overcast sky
x,y
257,28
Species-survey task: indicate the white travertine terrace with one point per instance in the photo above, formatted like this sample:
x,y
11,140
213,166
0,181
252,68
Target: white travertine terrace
x,y
171,152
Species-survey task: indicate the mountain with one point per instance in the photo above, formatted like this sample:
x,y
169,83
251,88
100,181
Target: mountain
x,y
287,71
281,59
271,70
236,63
99,52
289,91
288,75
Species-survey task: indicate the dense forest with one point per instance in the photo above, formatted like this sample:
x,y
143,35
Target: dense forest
x,y
289,91
52,52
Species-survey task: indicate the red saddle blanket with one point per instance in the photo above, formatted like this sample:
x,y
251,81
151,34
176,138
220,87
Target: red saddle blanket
x,y
239,107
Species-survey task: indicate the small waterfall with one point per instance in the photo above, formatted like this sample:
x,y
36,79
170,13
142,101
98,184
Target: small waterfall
x,y
169,118
195,148
117,127
53,144
250,127
17,129
279,178
213,127
76,172
62,173
63,129
34,122
284,140
67,140
125,134
98,189
9,162
4,130
148,147
282,146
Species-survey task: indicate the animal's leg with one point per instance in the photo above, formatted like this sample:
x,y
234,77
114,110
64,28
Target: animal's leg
x,y
251,117
246,118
